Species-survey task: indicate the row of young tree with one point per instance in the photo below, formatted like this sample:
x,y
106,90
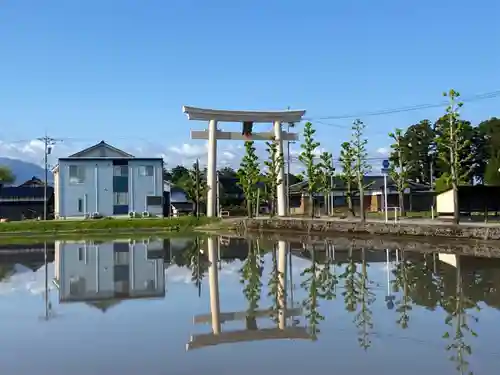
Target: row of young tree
x,y
444,155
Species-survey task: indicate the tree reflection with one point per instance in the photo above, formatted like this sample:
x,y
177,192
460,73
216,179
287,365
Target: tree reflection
x,y
424,290
363,319
457,306
358,297
193,258
320,281
6,270
274,285
405,280
310,304
251,273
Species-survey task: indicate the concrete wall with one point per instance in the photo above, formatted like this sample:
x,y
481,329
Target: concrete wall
x,y
306,226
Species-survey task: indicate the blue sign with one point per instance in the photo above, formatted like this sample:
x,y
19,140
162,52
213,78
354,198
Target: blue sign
x,y
385,164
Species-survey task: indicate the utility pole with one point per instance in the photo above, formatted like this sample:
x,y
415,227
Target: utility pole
x,y
197,177
290,125
217,209
332,195
48,142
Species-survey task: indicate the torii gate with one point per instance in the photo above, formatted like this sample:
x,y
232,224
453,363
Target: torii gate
x,y
247,118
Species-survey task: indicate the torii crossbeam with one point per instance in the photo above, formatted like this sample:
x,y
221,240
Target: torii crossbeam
x,y
247,118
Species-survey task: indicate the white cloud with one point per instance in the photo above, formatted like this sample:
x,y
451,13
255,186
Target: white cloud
x,y
189,150
229,154
383,151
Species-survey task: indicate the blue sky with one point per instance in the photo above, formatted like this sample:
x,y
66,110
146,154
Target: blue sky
x,y
121,70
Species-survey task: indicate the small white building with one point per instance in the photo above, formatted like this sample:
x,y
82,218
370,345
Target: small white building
x,y
107,181
91,272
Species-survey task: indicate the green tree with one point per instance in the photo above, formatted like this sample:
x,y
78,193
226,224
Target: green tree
x,y
178,173
492,171
6,175
488,138
452,144
195,186
271,178
348,174
312,169
361,166
227,172
418,150
167,175
326,173
249,176
399,172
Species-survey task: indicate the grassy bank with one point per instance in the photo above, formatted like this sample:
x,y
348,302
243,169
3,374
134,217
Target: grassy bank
x,y
101,226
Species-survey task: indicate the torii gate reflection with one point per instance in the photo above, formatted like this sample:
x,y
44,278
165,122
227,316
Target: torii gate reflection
x,y
252,333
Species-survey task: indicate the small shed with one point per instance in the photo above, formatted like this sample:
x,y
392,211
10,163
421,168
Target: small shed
x,y
472,199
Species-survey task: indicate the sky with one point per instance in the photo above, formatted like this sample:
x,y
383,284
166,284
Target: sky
x,y
120,71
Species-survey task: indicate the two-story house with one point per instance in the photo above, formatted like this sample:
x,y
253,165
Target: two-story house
x,y
103,180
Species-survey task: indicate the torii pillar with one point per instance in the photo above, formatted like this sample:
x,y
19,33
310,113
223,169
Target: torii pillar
x,y
212,134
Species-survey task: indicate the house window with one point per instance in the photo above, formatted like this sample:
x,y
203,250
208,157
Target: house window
x,y
81,254
80,205
76,174
146,170
120,170
120,199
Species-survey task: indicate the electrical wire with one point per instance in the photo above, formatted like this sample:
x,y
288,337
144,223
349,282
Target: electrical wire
x,y
474,98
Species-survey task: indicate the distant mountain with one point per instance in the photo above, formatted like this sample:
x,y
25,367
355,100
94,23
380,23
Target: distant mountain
x,y
24,170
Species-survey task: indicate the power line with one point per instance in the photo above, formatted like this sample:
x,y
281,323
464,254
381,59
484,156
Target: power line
x,y
474,98
48,143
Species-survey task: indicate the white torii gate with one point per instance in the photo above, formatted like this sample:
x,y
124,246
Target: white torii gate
x,y
212,134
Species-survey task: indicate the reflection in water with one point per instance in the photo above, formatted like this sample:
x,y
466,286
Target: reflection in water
x,y
103,274
409,288
251,278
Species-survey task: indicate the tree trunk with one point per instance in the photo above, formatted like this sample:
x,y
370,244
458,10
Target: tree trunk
x,y
311,205
249,206
362,213
456,205
349,204
402,203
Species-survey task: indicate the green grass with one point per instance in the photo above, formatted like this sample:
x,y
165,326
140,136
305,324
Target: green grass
x,y
35,228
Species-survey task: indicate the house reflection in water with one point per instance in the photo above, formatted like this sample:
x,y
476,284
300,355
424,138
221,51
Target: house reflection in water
x,y
103,274
252,332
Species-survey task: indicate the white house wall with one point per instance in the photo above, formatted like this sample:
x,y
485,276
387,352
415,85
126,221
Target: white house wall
x,y
95,264
144,271
97,189
96,268
142,186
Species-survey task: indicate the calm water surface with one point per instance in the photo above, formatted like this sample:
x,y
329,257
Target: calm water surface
x,y
226,306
